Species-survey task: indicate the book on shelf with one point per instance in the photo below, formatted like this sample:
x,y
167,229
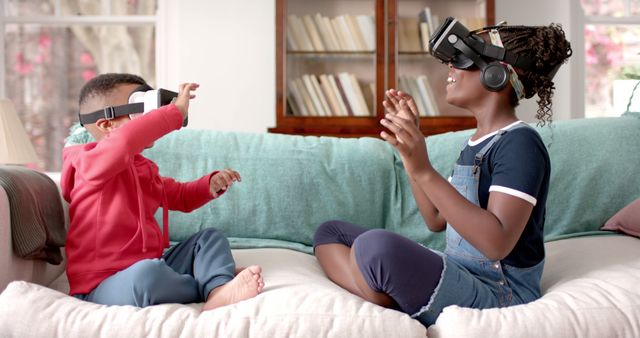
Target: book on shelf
x,y
345,109
292,105
427,23
331,33
417,96
314,34
368,27
308,85
306,97
343,27
424,36
300,33
408,35
426,17
354,94
328,92
330,95
422,93
321,96
292,44
326,33
298,108
426,93
369,93
364,108
343,33
473,23
356,32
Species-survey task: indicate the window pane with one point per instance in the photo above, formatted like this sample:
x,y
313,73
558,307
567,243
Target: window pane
x,y
635,7
29,7
613,8
611,57
138,7
117,7
47,66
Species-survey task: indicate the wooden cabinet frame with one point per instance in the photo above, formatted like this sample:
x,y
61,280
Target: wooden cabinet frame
x,y
386,18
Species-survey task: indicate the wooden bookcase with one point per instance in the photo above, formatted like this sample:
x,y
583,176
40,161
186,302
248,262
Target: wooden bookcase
x,y
376,70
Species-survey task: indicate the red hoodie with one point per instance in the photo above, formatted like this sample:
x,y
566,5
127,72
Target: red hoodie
x,y
113,194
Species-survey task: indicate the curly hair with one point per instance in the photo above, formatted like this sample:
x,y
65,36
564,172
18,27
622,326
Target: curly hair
x,y
549,48
105,83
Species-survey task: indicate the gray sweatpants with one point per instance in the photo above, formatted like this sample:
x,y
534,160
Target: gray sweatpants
x,y
186,273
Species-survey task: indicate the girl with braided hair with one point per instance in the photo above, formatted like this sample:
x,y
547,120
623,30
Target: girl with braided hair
x,y
492,207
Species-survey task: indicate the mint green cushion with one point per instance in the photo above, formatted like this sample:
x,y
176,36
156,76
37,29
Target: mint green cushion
x,y
290,185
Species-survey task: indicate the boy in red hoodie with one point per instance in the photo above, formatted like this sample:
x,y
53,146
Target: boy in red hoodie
x,y
115,246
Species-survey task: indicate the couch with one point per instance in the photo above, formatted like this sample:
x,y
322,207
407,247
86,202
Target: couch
x,y
291,184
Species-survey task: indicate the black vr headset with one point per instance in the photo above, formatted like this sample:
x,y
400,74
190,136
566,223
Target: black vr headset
x,y
453,43
142,100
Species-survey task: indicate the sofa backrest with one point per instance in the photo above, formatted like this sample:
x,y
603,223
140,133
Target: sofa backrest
x,y
291,184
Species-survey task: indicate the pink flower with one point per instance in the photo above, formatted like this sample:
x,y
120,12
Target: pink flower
x,y
22,66
86,59
44,41
39,59
88,75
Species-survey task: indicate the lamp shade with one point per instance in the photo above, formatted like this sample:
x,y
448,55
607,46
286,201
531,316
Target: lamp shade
x,y
15,146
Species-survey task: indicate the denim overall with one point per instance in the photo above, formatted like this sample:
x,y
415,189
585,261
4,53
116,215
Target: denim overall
x,y
469,279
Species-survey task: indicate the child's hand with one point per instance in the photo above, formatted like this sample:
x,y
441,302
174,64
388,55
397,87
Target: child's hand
x,y
222,180
392,105
184,95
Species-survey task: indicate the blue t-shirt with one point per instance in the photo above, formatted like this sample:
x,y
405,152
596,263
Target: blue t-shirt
x,y
518,164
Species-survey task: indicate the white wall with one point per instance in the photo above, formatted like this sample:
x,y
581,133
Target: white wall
x,y
568,99
229,48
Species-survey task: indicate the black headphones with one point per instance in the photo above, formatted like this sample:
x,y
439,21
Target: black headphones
x,y
494,75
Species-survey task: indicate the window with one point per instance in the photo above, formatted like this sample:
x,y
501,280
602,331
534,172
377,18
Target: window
x,y
50,48
612,60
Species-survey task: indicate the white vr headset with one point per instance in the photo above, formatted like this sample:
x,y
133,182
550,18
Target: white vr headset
x,y
142,100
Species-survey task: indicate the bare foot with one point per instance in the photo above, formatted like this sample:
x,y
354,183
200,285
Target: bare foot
x,y
247,284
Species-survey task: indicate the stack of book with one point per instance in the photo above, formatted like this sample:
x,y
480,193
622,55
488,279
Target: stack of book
x,y
321,34
414,33
330,95
419,88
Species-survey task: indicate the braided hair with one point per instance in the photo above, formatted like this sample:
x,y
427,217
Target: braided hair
x,y
548,47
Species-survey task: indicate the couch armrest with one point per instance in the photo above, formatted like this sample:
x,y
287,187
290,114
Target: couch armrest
x,y
17,268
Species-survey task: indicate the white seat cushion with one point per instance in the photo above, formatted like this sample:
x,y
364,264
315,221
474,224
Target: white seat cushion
x,y
591,288
298,301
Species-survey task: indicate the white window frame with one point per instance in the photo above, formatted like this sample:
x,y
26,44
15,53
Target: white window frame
x,y
580,21
57,19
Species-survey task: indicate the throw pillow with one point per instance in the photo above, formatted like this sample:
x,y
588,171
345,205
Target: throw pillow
x,y
627,220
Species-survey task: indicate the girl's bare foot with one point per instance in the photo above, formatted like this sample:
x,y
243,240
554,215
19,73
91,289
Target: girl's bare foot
x,y
247,284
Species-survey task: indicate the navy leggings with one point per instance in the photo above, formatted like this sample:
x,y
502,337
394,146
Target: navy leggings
x,y
390,263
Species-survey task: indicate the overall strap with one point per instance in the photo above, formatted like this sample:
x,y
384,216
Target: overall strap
x,y
480,155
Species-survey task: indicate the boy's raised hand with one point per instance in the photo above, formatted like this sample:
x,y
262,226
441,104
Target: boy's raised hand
x,y
184,95
222,180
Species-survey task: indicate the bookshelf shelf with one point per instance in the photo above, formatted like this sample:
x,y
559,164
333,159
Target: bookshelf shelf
x,y
336,58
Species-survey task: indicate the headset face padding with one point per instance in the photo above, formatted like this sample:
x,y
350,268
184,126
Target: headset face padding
x,y
494,76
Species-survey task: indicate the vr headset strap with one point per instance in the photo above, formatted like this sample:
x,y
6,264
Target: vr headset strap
x,y
501,54
470,53
111,112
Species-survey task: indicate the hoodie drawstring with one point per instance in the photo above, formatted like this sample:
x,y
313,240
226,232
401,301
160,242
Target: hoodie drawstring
x,y
141,210
165,217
